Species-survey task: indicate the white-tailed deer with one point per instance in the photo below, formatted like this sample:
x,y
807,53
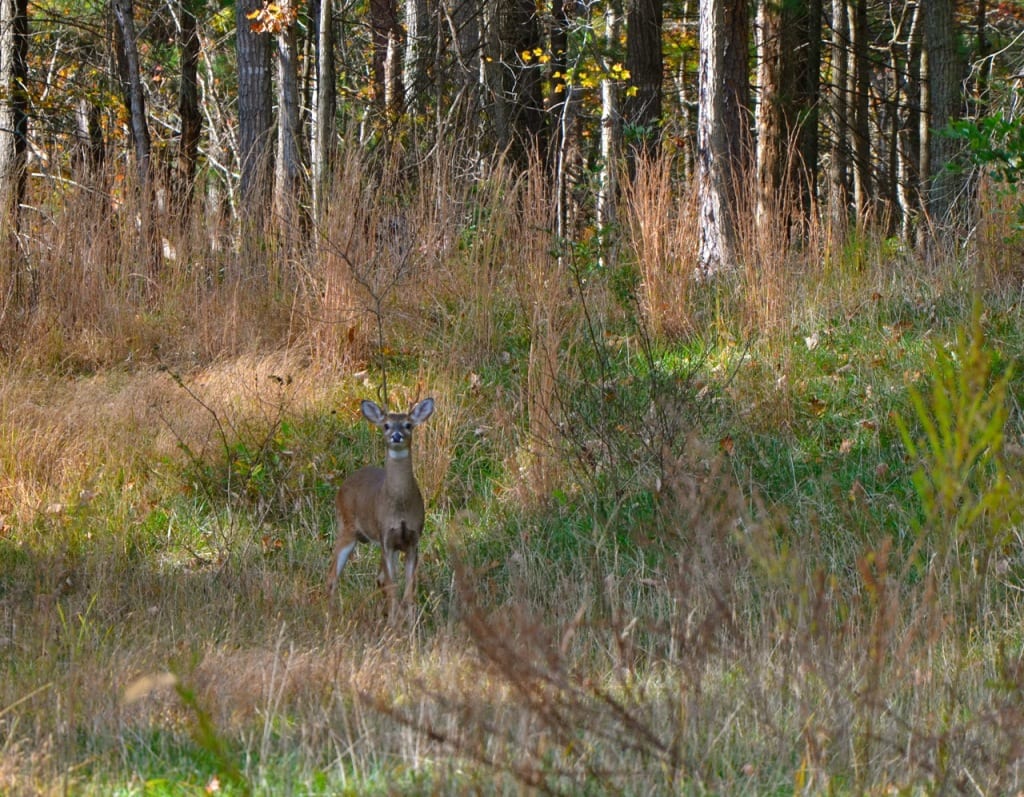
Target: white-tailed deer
x,y
384,505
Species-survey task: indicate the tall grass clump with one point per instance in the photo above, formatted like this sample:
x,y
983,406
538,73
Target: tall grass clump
x,y
663,234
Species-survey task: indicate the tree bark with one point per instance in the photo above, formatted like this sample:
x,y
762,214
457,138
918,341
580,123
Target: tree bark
x,y
288,183
14,150
417,42
188,109
13,110
807,99
641,109
255,119
721,162
324,107
611,124
89,149
839,104
386,33
788,68
521,33
908,102
940,104
128,56
863,184
772,135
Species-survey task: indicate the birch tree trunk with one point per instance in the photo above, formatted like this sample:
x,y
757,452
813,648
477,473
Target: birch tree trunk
x,y
611,124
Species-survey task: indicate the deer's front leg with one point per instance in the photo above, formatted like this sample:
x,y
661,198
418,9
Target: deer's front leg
x,y
411,565
387,573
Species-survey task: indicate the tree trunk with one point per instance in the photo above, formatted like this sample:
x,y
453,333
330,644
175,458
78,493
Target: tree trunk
x,y
772,135
188,109
255,118
839,167
611,123
908,101
940,104
387,89
13,110
564,103
522,34
288,193
495,103
806,40
788,69
863,187
324,107
721,163
641,109
417,43
14,150
982,59
89,150
128,57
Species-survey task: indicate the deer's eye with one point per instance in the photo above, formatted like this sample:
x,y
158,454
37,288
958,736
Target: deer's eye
x,y
387,426
408,426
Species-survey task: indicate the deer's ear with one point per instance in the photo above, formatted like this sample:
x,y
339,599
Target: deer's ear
x,y
421,411
373,413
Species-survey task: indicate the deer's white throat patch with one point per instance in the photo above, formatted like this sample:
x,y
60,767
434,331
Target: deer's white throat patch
x,y
401,454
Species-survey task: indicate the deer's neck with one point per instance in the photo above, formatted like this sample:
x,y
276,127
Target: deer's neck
x,y
398,476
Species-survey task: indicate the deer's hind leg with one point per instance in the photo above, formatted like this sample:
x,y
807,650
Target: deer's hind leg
x,y
343,548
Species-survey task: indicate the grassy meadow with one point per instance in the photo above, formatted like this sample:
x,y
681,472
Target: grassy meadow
x,y
747,535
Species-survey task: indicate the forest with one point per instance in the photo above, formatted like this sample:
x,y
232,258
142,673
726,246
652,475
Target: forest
x,y
719,303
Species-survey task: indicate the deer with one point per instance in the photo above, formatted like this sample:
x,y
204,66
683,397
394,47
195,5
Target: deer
x,y
384,505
